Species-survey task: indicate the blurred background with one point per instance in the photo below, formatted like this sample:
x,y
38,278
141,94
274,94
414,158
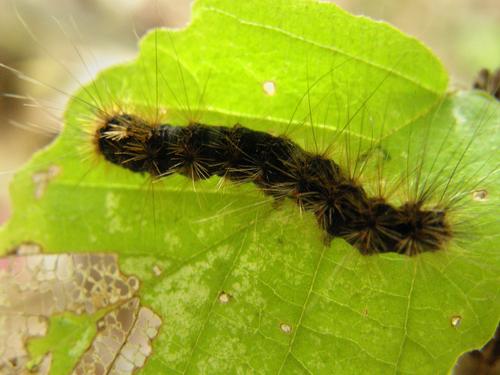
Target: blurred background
x,y
465,34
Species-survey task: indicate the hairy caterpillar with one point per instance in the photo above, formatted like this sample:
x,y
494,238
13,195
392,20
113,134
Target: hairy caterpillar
x,y
281,169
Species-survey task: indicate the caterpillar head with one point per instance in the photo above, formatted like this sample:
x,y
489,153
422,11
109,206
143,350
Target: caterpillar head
x,y
124,140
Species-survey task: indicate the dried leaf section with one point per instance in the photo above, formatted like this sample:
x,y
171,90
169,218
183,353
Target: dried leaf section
x,y
123,342
34,287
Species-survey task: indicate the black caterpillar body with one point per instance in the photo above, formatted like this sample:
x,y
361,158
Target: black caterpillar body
x,y
280,168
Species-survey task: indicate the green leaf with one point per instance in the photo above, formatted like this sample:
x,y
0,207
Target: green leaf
x,y
293,305
68,338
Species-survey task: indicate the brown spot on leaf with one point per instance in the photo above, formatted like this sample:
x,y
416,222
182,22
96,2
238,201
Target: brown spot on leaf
x,y
42,179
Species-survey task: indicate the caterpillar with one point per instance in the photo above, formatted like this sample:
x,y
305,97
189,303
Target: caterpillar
x,y
281,169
